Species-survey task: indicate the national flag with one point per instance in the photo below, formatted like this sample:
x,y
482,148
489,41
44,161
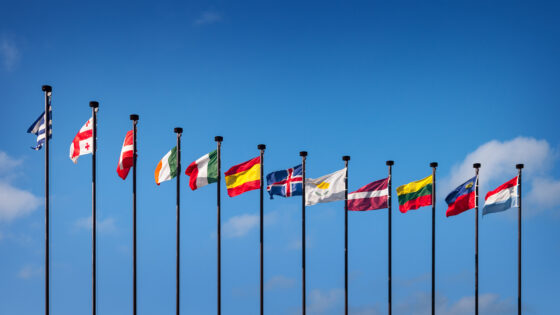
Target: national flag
x,y
285,183
244,177
166,169
462,198
415,195
83,141
370,197
126,160
203,171
326,188
502,198
38,127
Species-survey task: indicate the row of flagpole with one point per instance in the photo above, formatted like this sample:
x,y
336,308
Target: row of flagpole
x,y
261,147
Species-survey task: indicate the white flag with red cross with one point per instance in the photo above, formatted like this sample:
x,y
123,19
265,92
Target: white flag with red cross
x,y
83,142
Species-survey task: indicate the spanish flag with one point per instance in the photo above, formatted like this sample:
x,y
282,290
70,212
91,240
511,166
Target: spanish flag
x,y
244,177
415,195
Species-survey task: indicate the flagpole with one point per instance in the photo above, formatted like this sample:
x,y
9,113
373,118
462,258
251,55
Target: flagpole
x,y
48,90
262,147
219,140
134,119
94,108
389,226
433,165
178,131
303,155
476,167
346,158
519,168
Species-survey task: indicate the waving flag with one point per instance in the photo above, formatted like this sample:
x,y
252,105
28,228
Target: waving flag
x,y
285,183
244,177
83,142
462,198
166,169
372,196
501,198
38,127
126,160
203,171
325,188
415,195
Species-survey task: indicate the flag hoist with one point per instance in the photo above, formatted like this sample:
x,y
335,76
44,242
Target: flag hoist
x,y
346,158
303,155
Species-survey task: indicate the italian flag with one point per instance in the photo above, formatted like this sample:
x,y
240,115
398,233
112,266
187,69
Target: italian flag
x,y
167,167
203,171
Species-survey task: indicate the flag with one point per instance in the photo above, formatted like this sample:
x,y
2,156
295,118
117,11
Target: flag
x,y
244,177
415,195
370,197
126,160
462,198
38,126
325,188
166,169
203,171
501,198
285,183
83,141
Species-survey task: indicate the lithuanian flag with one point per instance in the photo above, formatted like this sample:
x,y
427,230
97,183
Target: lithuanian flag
x,y
244,177
416,194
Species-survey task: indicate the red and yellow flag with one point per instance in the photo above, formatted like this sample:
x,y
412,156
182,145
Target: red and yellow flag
x,y
244,177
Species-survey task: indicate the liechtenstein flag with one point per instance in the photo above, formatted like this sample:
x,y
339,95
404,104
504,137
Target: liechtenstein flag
x,y
462,198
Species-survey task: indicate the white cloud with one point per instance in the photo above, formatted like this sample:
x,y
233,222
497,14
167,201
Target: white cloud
x,y
208,17
240,225
321,302
15,202
279,282
9,52
419,304
30,271
8,164
103,226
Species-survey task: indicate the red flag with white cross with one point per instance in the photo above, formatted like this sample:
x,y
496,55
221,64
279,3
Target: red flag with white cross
x,y
83,142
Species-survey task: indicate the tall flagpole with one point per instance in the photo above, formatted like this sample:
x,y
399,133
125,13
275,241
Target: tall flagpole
x,y
389,226
48,92
346,158
134,119
94,108
476,168
178,131
519,168
433,165
303,155
219,140
262,147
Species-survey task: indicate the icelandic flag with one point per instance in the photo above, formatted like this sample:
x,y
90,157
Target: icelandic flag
x,y
38,127
502,198
285,183
462,198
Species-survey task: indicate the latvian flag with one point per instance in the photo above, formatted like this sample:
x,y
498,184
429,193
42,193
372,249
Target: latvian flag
x,y
501,198
126,160
372,196
83,142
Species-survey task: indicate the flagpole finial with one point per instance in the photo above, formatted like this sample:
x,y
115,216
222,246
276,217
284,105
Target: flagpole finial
x,y
94,104
178,130
46,88
303,153
519,166
476,165
134,117
218,138
434,164
261,146
390,163
346,158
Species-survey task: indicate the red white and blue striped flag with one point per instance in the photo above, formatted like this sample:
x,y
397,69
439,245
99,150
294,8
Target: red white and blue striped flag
x,y
502,198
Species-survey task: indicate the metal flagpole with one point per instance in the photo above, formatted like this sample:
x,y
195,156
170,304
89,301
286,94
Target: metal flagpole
x,y
476,168
178,131
519,168
346,158
262,147
219,140
48,92
134,119
303,155
94,108
433,165
389,226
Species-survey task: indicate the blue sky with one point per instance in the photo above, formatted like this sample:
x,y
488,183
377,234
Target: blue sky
x,y
453,82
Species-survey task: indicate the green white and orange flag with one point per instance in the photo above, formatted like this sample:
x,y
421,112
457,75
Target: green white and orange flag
x,y
166,169
416,194
244,177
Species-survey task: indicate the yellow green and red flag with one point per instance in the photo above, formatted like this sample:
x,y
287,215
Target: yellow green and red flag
x,y
416,194
244,177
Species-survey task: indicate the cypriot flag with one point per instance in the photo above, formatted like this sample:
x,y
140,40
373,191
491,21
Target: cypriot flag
x,y
325,188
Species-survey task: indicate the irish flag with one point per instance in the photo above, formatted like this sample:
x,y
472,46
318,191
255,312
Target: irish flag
x,y
415,195
167,167
203,171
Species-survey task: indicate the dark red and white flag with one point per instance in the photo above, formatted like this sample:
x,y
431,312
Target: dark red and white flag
x,y
126,160
83,142
370,197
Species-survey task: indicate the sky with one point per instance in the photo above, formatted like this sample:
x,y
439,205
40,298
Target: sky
x,y
455,82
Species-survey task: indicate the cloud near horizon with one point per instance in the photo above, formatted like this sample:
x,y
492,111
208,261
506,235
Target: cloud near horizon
x,y
106,225
14,202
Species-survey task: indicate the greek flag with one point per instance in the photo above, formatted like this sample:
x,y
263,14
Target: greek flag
x,y
39,126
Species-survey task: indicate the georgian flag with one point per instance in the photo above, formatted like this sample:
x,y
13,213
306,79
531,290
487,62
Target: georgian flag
x,y
126,160
83,142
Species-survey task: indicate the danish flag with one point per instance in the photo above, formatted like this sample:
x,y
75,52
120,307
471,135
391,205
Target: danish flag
x,y
83,142
126,160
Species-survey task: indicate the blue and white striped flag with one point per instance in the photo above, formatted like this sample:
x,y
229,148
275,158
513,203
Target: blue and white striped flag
x,y
39,126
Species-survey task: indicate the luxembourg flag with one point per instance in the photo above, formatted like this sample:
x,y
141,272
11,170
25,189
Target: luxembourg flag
x,y
502,198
